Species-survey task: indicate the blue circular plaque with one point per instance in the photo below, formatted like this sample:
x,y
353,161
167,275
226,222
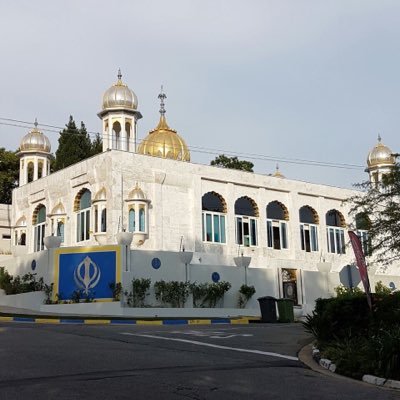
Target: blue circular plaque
x,y
215,277
156,263
33,265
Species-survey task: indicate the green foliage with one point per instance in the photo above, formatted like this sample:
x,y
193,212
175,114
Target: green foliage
x,y
97,145
353,356
208,294
245,294
20,284
9,174
116,290
215,292
380,288
48,291
199,292
342,291
232,163
173,293
74,145
357,339
140,289
380,203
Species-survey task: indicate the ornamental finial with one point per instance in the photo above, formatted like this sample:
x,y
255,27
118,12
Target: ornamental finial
x,y
119,74
36,123
379,137
162,96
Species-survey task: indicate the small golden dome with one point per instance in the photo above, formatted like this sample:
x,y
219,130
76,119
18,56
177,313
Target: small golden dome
x,y
380,155
119,96
35,141
163,141
277,173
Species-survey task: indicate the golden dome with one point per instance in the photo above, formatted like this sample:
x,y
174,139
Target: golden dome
x,y
35,141
163,141
380,155
119,96
277,173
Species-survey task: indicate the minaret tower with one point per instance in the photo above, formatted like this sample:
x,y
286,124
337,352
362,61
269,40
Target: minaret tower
x,y
380,161
119,115
34,153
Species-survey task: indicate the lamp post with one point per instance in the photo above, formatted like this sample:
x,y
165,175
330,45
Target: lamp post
x,y
243,262
186,258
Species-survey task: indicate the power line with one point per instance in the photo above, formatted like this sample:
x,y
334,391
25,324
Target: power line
x,y
199,149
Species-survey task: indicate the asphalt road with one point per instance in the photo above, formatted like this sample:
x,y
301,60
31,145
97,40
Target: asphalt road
x,y
164,362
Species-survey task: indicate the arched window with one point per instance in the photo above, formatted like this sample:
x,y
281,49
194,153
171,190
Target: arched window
x,y
57,217
335,224
116,136
60,230
213,217
20,232
363,224
308,229
100,211
83,202
138,207
277,217
246,214
30,171
129,146
39,224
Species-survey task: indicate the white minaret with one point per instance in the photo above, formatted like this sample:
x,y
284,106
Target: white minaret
x,y
119,115
380,161
34,153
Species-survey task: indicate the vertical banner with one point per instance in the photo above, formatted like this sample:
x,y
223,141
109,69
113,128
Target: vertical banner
x,y
362,266
86,272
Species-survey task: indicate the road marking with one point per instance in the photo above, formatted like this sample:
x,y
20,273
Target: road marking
x,y
216,346
212,334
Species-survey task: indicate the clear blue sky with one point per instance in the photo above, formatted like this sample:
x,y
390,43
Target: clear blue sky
x,y
313,80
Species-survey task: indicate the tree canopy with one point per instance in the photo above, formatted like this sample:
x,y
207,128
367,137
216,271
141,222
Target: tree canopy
x,y
9,174
381,203
74,145
233,163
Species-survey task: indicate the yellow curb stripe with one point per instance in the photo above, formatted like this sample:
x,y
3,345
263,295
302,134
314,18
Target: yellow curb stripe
x,y
239,321
6,318
144,322
97,321
199,321
47,321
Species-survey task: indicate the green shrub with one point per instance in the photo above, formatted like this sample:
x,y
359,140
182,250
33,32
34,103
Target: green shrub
x,y
174,293
140,289
246,292
380,288
20,284
199,292
215,292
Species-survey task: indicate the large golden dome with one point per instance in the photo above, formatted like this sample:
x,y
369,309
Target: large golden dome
x,y
35,141
119,96
163,141
380,155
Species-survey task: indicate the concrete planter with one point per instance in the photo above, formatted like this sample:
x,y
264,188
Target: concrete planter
x,y
52,242
101,238
124,238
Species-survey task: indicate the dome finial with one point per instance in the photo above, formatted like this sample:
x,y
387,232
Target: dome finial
x,y
379,137
119,74
36,123
162,96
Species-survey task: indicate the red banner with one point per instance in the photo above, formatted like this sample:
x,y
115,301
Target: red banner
x,y
361,264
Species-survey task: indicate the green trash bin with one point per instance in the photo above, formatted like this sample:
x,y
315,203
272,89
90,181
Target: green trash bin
x,y
285,310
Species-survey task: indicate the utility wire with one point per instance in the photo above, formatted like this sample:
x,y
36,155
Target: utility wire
x,y
198,149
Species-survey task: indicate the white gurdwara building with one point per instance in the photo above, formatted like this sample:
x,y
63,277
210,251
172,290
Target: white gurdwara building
x,y
292,232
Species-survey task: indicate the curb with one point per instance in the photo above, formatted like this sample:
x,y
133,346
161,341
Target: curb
x,y
115,321
325,365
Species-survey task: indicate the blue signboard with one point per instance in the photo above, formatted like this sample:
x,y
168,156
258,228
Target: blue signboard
x,y
87,272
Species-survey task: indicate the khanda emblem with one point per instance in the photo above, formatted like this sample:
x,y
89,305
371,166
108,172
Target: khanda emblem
x,y
87,275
